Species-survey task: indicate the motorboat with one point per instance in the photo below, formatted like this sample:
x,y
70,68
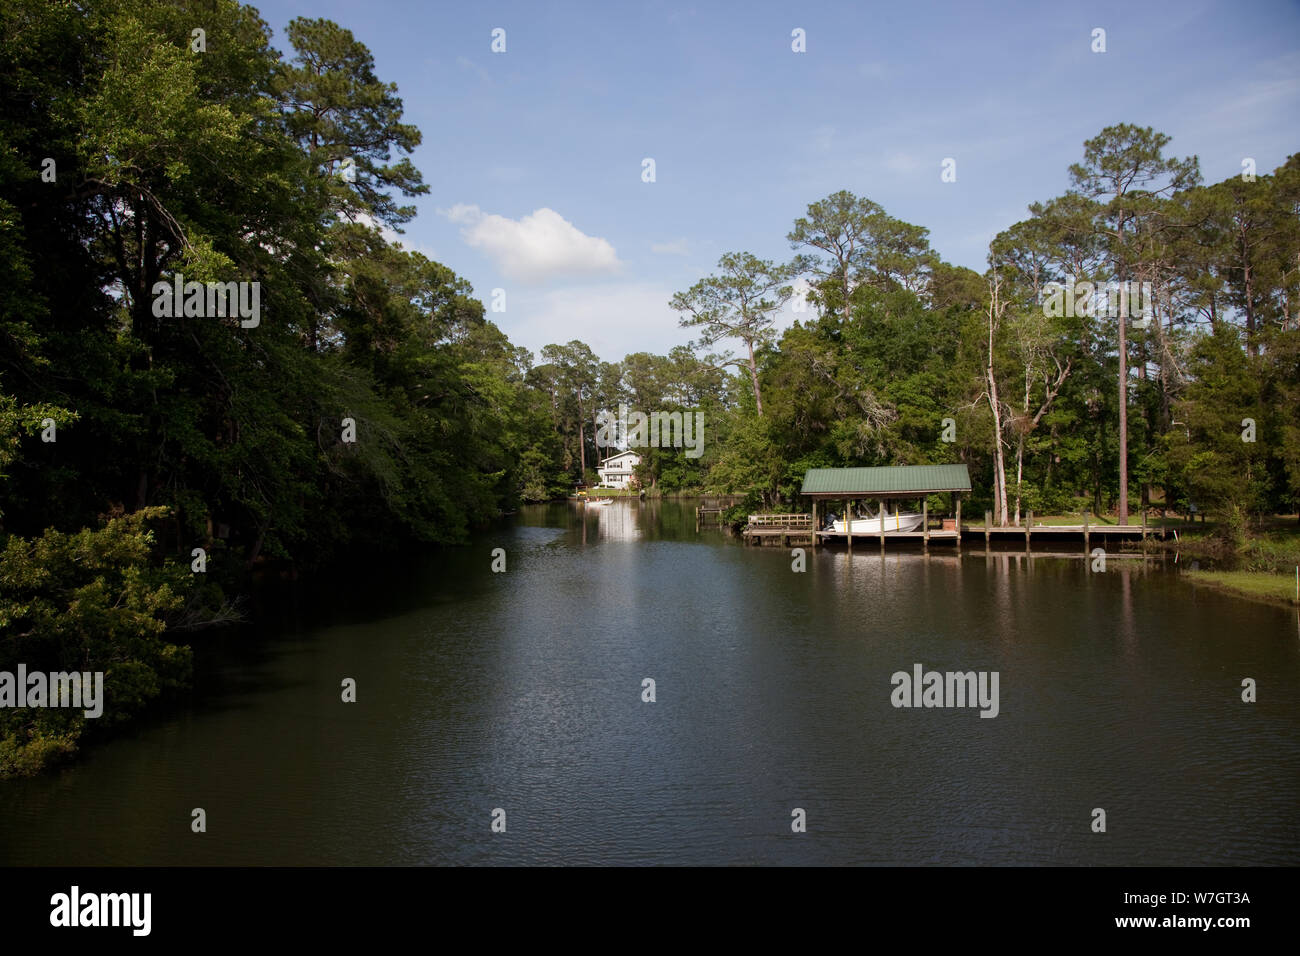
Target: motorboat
x,y
898,521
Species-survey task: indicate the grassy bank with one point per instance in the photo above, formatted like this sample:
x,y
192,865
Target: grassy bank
x,y
1256,585
683,494
1256,561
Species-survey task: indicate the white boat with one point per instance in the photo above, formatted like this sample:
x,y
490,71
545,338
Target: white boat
x,y
600,501
903,521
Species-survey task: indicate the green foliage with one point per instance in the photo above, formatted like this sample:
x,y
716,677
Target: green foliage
x,y
1213,455
94,600
223,166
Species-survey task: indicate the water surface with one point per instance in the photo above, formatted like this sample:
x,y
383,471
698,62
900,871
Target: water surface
x,y
523,691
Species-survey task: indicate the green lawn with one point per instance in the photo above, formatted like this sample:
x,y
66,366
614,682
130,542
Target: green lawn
x,y
1274,588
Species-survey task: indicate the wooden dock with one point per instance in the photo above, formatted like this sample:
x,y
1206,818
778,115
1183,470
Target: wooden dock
x,y
785,530
712,510
705,516
1058,532
844,489
934,534
788,530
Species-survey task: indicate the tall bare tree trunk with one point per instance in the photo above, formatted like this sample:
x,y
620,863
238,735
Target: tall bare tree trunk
x,y
582,440
1252,347
999,459
1020,450
1123,421
753,377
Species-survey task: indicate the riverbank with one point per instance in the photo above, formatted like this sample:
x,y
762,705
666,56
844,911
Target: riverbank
x,y
1253,585
1257,563
649,493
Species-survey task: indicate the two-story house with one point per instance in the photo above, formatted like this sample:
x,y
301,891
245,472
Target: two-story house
x,y
616,470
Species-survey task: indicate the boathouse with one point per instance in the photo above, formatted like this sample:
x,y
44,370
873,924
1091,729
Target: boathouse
x,y
895,485
839,489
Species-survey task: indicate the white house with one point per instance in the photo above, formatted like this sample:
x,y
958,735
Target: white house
x,y
616,470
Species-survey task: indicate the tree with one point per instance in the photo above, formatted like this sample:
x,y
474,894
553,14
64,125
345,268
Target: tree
x,y
347,121
838,226
994,312
88,601
577,370
1219,460
742,303
861,245
1124,166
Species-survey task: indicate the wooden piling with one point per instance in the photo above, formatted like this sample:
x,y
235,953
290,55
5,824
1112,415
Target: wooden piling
x,y
957,495
925,524
988,521
1086,533
1029,528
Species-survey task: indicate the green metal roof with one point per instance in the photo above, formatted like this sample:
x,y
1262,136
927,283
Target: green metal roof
x,y
895,480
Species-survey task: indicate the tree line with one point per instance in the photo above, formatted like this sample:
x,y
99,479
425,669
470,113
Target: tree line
x,y
370,404
1133,343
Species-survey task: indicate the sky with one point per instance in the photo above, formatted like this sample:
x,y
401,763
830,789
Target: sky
x,y
535,156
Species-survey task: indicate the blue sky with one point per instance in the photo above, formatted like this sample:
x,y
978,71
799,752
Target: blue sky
x,y
534,156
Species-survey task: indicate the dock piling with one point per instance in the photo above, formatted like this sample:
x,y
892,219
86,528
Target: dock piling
x,y
957,519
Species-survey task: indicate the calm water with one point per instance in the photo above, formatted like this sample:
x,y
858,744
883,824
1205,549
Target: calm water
x,y
522,691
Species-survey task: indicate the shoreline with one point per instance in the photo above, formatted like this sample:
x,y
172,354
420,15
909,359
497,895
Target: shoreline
x,y
1269,588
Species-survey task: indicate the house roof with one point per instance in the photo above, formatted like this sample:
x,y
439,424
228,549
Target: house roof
x,y
619,455
893,481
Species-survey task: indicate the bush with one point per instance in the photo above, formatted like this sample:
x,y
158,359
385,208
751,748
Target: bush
x,y
94,600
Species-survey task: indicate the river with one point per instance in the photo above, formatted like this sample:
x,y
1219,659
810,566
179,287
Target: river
x,y
522,691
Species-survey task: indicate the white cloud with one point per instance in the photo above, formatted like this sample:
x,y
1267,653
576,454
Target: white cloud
x,y
540,246
678,247
613,318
